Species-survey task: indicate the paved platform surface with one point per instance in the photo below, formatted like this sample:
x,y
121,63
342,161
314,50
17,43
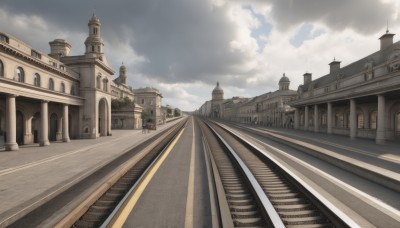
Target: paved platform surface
x,y
34,173
382,155
167,200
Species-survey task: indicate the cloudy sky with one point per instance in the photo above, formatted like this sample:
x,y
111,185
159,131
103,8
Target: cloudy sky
x,y
183,47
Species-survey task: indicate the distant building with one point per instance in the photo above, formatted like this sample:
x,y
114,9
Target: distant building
x,y
127,115
150,100
216,102
361,99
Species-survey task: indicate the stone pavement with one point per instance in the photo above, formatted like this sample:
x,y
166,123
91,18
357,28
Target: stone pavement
x,y
34,174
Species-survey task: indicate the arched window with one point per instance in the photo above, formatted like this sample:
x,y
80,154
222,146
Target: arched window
x,y
373,119
1,69
105,85
62,87
20,75
360,120
398,122
36,80
51,84
72,92
98,82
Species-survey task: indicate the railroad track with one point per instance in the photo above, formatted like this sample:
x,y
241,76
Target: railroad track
x,y
113,181
113,198
277,199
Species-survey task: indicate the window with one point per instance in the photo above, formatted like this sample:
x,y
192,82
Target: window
x,y
98,84
373,120
51,84
20,75
72,92
3,38
360,120
142,101
62,87
105,85
339,120
323,119
36,80
1,69
36,54
398,121
92,48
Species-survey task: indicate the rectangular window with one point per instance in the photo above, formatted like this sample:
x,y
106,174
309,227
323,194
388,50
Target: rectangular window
x,y
3,38
36,54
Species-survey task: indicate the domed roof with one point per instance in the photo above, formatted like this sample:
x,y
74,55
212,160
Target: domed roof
x,y
218,89
284,79
94,20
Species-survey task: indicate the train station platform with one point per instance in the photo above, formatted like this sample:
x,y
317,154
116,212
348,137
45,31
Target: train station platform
x,y
359,148
32,175
377,162
178,193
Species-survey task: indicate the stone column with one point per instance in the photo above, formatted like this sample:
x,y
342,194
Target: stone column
x,y
316,123
353,119
44,123
11,123
65,136
306,118
296,118
380,130
329,118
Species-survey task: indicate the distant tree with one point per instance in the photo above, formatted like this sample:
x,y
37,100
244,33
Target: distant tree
x,y
122,103
177,112
147,117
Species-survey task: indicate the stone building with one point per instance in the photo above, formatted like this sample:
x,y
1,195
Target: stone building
x,y
54,97
270,109
216,102
361,99
150,100
128,114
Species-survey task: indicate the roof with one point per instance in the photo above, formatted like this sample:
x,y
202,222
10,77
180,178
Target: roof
x,y
358,66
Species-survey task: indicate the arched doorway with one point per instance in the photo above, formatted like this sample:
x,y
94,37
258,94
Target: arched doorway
x,y
36,127
103,118
397,127
20,128
53,127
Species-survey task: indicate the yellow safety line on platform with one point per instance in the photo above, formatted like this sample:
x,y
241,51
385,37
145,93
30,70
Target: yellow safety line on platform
x,y
190,194
119,222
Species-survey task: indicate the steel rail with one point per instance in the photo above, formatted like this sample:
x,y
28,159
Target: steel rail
x,y
330,206
264,200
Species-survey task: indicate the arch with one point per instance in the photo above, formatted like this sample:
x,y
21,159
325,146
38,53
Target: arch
x,y
20,74
360,119
36,127
62,87
103,117
373,117
72,91
20,128
51,84
98,82
53,127
397,124
105,85
1,69
36,80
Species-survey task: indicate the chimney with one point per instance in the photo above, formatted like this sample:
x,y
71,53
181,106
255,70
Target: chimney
x,y
334,66
307,78
386,40
59,48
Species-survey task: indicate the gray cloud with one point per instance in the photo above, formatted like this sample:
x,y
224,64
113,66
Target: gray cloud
x,y
364,16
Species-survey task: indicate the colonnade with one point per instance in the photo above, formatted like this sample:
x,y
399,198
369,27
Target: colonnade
x,y
381,122
11,125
